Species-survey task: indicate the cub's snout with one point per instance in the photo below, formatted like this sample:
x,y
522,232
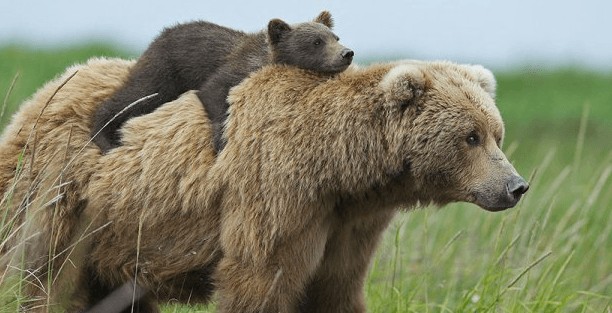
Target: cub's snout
x,y
347,54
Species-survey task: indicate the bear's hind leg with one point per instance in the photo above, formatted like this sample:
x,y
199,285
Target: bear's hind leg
x,y
144,81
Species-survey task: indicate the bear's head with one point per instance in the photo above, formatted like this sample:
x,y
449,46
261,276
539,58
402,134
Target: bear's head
x,y
387,135
453,150
311,45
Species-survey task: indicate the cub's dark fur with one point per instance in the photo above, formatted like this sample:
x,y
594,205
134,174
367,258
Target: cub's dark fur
x,y
212,58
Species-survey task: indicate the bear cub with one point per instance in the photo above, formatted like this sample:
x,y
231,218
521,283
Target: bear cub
x,y
212,58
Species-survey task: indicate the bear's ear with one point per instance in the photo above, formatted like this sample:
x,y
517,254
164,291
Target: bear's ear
x,y
276,29
403,84
325,18
484,78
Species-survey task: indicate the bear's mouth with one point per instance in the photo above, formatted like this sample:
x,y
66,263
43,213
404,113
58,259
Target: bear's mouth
x,y
495,203
500,196
498,208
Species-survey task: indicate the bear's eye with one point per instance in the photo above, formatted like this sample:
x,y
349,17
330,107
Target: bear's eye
x,y
473,139
337,38
498,141
318,42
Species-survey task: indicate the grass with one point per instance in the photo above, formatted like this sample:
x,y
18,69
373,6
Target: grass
x,y
553,253
34,67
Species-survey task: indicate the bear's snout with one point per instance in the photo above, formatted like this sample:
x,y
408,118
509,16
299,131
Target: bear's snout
x,y
505,196
516,187
347,53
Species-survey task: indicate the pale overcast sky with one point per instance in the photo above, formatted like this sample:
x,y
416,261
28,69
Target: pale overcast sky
x,y
493,33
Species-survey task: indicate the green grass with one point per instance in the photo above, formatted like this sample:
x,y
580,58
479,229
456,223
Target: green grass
x,y
553,253
33,67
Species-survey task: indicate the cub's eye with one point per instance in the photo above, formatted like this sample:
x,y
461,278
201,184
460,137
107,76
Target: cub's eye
x,y
337,38
318,42
473,139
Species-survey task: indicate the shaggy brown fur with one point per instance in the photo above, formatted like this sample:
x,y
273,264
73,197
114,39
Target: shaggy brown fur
x,y
287,218
45,163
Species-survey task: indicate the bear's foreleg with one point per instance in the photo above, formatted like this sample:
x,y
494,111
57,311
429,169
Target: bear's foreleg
x,y
337,286
275,282
213,95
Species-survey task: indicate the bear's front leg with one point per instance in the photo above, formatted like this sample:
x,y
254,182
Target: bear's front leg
x,y
337,286
274,282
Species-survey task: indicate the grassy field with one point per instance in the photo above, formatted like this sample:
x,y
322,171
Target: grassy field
x,y
552,253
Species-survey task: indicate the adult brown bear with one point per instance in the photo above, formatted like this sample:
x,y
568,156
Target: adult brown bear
x,y
287,217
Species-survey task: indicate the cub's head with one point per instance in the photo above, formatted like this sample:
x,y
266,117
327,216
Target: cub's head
x,y
311,45
455,132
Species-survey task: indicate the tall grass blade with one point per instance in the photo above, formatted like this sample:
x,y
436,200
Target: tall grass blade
x,y
8,94
581,136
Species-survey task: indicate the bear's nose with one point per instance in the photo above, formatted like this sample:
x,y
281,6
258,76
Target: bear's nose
x,y
517,186
347,53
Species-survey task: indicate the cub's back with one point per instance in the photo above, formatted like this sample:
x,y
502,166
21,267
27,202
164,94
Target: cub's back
x,y
192,50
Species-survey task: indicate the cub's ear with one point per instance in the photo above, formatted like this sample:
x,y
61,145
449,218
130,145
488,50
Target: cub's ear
x,y
325,18
403,84
276,29
485,78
